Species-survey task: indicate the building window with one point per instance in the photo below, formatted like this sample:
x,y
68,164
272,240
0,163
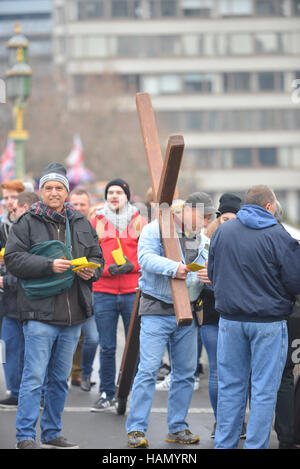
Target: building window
x,y
242,157
168,45
270,81
296,7
227,159
88,9
169,120
192,44
270,7
198,82
236,82
194,120
148,46
240,44
168,7
161,84
284,157
267,156
204,158
235,7
197,7
296,157
131,83
119,8
96,46
267,43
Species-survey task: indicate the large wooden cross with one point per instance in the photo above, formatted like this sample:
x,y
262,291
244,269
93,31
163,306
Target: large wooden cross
x,y
164,176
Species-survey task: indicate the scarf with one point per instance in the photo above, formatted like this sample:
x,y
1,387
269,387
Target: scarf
x,y
119,220
39,208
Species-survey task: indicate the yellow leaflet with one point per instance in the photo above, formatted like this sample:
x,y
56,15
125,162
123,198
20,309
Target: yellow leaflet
x,y
117,255
88,265
79,261
2,253
194,267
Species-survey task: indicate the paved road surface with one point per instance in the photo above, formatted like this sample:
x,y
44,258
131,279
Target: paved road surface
x,y
106,430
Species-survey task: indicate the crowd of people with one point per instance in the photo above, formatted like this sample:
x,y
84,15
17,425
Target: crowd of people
x,y
54,315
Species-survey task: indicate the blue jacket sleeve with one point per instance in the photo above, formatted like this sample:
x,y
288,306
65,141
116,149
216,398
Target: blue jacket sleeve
x,y
150,255
290,267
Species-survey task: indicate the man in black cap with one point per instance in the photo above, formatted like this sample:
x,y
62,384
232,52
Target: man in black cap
x,y
118,225
52,324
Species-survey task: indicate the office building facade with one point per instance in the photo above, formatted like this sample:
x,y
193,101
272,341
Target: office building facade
x,y
223,73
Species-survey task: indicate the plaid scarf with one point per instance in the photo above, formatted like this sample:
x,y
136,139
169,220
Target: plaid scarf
x,y
39,208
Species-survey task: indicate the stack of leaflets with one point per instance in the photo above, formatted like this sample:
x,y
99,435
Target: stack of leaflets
x,y
83,263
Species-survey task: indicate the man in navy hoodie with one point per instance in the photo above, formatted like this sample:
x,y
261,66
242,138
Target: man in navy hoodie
x,y
254,266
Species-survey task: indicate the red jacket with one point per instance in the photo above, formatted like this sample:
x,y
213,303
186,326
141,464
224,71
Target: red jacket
x,y
108,239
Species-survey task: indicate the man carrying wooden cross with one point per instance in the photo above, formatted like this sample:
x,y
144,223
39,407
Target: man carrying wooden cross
x,y
160,328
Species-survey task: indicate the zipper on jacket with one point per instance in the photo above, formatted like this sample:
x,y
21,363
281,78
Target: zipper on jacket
x,y
67,293
69,308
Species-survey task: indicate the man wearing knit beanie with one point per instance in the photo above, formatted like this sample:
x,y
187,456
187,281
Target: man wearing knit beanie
x,y
118,225
54,172
52,317
119,183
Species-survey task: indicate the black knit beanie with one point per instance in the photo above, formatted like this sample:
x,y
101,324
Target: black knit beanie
x,y
118,182
229,203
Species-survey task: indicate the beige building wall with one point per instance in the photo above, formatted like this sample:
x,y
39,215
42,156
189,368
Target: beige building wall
x,y
233,41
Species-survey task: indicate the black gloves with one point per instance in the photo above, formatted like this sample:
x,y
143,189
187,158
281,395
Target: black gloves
x,y
115,269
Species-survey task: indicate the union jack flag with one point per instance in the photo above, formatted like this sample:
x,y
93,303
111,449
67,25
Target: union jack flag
x,y
8,162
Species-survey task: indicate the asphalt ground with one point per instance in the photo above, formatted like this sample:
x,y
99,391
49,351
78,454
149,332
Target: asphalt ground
x,y
104,432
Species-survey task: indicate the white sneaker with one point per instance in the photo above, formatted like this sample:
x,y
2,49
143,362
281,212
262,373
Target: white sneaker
x,y
164,385
196,384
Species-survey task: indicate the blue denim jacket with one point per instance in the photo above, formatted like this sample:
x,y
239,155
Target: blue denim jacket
x,y
156,268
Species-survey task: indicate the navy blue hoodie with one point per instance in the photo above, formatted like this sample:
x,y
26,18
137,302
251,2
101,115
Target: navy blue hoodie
x,y
254,265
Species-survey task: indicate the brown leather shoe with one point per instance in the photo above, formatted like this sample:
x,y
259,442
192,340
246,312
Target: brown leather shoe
x,y
76,382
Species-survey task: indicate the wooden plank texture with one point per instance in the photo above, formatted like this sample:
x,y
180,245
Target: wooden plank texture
x,y
164,176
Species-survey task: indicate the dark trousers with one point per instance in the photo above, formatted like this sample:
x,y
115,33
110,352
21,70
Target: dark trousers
x,y
285,416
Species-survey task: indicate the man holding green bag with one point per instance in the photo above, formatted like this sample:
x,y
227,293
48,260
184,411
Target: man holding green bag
x,y
53,312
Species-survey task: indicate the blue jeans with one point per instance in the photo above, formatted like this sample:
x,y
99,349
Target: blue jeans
x,y
89,346
155,335
209,335
45,344
244,347
107,309
12,335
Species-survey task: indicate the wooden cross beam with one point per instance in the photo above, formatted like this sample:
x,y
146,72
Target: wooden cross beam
x,y
164,176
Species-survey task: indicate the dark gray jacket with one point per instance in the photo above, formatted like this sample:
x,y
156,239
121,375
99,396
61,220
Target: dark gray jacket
x,y
74,305
9,295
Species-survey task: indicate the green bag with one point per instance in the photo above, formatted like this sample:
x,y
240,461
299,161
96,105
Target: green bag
x,y
56,283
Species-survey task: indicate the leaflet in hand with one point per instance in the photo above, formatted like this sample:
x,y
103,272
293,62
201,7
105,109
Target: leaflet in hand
x,y
194,267
83,263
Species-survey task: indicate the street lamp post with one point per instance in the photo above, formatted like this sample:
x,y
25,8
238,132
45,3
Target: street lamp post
x,y
18,80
